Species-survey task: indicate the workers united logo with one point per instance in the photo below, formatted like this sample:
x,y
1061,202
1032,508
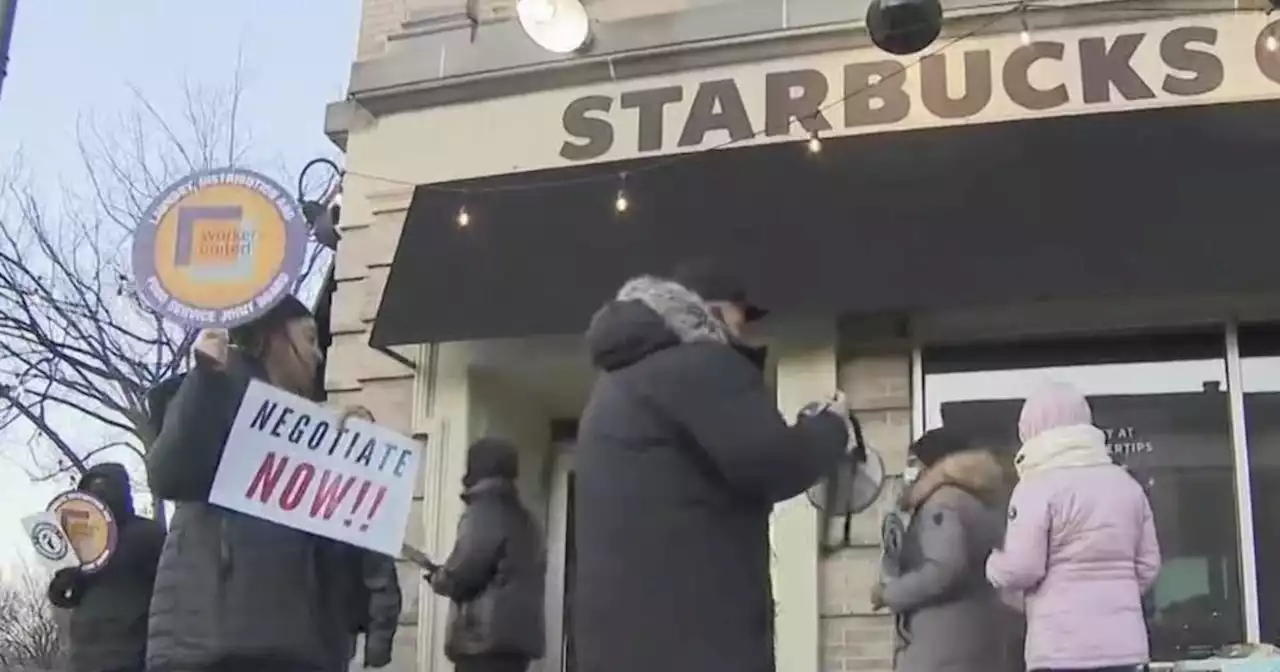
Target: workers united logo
x,y
49,541
88,525
219,248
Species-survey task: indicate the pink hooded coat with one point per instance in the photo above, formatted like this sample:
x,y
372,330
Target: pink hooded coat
x,y
1080,547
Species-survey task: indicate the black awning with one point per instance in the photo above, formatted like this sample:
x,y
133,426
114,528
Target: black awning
x,y
1155,203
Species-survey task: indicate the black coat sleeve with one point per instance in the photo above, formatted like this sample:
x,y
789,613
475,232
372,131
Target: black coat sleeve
x,y
141,541
184,458
474,559
385,603
137,553
723,403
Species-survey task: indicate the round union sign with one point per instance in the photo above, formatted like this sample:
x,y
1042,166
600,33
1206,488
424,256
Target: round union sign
x,y
89,526
219,248
49,541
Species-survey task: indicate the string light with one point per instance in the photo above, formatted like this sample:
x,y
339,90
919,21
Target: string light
x,y
1025,35
815,143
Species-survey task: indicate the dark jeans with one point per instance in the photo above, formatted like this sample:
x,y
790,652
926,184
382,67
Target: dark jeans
x,y
494,663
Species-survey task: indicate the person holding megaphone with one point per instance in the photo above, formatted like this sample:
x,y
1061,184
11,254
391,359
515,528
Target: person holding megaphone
x,y
681,456
234,592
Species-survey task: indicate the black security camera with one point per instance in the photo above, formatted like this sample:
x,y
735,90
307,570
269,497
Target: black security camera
x,y
903,27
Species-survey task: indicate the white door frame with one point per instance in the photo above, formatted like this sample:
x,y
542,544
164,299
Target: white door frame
x,y
557,536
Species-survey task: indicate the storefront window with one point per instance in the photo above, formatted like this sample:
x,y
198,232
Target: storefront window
x,y
1163,402
1260,373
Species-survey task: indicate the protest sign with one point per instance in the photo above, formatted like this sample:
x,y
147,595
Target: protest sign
x,y
88,523
288,461
219,248
50,542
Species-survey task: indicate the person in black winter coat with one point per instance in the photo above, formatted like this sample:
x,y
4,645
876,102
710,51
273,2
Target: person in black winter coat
x,y
496,573
377,607
108,629
377,600
234,592
681,454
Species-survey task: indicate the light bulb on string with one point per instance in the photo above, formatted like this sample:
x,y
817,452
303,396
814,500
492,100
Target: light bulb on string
x,y
464,217
815,143
620,202
1272,43
1024,35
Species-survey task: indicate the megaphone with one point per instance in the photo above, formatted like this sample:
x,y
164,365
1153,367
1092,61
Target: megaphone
x,y
851,488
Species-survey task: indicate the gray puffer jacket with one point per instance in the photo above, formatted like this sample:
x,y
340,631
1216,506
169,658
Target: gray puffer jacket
x,y
234,591
949,617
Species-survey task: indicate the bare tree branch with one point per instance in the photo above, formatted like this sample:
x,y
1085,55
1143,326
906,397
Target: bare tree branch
x,y
30,635
78,347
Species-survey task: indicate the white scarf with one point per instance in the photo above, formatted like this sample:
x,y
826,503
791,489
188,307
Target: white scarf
x,y
1073,446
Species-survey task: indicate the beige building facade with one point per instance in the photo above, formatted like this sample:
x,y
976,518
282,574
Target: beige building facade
x,y
443,94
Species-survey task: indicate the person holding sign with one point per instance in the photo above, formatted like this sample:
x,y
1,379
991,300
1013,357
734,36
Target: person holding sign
x,y
496,573
236,592
108,629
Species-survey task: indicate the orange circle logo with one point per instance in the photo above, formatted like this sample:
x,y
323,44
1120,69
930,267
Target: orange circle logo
x,y
89,526
219,248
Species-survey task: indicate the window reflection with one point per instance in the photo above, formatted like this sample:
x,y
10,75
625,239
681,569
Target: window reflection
x,y
1169,421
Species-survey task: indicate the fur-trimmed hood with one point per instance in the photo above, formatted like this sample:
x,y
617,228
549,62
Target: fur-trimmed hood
x,y
974,471
650,314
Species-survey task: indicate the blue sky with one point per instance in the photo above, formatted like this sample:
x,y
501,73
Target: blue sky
x,y
72,58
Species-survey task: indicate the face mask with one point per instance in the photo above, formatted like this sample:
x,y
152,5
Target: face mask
x,y
910,474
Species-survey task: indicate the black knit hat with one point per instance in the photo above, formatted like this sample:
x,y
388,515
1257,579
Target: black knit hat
x,y
937,444
249,336
491,458
714,281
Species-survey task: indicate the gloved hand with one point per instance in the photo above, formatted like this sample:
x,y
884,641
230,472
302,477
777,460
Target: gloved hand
x,y
377,651
838,404
66,589
877,596
212,347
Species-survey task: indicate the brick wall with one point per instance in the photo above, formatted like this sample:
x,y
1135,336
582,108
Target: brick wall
x,y
875,371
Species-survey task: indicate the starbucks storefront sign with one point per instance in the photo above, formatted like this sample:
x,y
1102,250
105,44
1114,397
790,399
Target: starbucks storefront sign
x,y
1184,61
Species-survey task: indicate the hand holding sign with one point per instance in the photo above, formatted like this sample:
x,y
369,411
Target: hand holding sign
x,y
299,464
215,345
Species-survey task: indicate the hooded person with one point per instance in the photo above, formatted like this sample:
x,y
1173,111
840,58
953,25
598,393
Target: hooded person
x,y
108,624
234,592
948,617
377,600
681,455
495,576
1081,543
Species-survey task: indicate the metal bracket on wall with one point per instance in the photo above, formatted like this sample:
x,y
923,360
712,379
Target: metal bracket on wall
x,y
473,15
399,358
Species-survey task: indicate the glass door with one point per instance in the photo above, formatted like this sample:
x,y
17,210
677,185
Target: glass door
x,y
560,557
1163,403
